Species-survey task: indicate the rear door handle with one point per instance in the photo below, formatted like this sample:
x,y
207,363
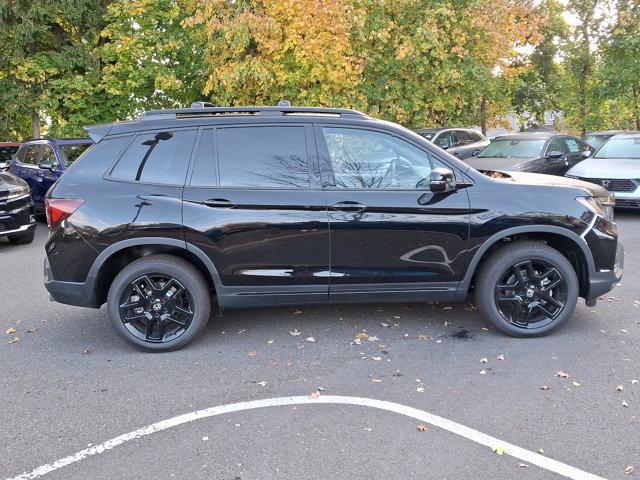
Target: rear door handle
x,y
218,203
348,206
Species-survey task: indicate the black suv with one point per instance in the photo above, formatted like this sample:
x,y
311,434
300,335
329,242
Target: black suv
x,y
259,206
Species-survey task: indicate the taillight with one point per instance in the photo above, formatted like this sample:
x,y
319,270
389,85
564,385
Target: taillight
x,y
59,209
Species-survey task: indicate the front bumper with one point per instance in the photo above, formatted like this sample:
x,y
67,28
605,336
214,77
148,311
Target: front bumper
x,y
70,293
23,230
605,280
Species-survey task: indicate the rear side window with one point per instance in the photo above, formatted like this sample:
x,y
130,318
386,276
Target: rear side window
x,y
48,156
70,153
156,157
270,157
29,154
205,170
6,153
474,136
460,137
572,145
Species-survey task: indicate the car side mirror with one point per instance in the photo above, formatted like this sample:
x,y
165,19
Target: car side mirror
x,y
554,155
445,147
442,180
475,153
586,153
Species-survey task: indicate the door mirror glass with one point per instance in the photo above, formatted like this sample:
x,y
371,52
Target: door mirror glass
x,y
475,153
554,155
442,180
586,154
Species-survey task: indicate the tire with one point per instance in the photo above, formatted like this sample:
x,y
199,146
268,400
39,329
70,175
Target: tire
x,y
520,287
22,239
159,303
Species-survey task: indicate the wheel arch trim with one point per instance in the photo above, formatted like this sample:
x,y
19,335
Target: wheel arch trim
x,y
472,267
111,250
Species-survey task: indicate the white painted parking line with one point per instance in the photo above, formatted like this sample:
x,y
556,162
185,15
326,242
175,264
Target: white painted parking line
x,y
466,432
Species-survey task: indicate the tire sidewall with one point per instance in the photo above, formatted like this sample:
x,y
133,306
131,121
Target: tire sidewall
x,y
501,264
188,278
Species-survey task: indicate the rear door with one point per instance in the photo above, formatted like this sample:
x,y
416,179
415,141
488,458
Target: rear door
x,y
46,172
391,238
254,205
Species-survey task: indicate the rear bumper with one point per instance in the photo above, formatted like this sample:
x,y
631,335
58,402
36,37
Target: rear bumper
x,y
605,280
70,293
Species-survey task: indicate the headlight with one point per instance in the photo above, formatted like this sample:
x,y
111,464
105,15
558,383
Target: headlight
x,y
602,208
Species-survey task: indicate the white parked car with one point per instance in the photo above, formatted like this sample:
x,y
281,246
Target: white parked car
x,y
616,167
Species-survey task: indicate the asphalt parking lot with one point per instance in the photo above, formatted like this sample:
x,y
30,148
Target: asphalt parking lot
x,y
68,383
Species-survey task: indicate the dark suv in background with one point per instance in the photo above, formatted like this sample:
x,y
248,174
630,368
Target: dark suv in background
x,y
41,162
461,142
260,206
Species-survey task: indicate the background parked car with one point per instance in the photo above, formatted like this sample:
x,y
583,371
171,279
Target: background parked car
x,y
7,151
549,153
616,167
41,162
17,221
597,139
461,142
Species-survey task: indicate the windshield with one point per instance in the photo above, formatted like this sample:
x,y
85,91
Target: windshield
x,y
6,153
596,141
513,148
620,148
71,152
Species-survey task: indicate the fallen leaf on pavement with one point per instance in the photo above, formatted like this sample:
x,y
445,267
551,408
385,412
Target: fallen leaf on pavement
x,y
311,339
295,332
297,312
562,374
320,389
498,449
483,372
373,338
620,388
484,360
31,330
544,387
524,465
420,389
205,439
362,335
289,363
376,380
377,359
423,337
541,450
575,384
86,351
252,354
273,364
262,383
357,341
423,427
14,340
9,331
500,357
629,470
625,404
314,395
634,381
269,342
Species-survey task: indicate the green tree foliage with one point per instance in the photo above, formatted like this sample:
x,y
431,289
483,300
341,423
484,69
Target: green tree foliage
x,y
621,66
48,67
151,60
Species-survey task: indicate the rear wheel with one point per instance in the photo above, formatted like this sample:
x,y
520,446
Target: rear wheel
x,y
23,238
159,303
527,289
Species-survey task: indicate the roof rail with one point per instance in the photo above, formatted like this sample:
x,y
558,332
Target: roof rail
x,y
204,109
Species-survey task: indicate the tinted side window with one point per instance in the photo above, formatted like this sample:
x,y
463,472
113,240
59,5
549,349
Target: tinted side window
x,y
273,157
474,136
556,145
445,140
48,156
157,157
375,160
205,170
572,145
29,155
460,138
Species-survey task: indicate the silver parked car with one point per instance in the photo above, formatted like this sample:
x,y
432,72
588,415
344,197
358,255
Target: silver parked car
x,y
616,167
461,142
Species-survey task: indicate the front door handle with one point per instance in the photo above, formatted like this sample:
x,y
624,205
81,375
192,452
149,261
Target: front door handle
x,y
218,203
348,206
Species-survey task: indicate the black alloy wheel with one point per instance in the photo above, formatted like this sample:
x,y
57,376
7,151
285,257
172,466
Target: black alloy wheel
x,y
156,308
531,294
527,288
159,303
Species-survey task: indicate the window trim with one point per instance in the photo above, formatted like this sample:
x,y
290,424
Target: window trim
x,y
310,146
326,166
108,173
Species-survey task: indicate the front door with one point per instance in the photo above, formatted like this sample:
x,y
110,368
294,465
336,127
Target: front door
x,y
255,206
47,172
557,165
391,238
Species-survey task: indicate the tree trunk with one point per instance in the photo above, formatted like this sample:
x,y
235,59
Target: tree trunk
x,y
483,115
35,124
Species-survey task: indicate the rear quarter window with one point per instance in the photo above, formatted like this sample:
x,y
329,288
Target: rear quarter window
x,y
96,159
156,157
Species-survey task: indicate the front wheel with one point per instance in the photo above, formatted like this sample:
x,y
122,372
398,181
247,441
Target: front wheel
x,y
159,303
527,289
